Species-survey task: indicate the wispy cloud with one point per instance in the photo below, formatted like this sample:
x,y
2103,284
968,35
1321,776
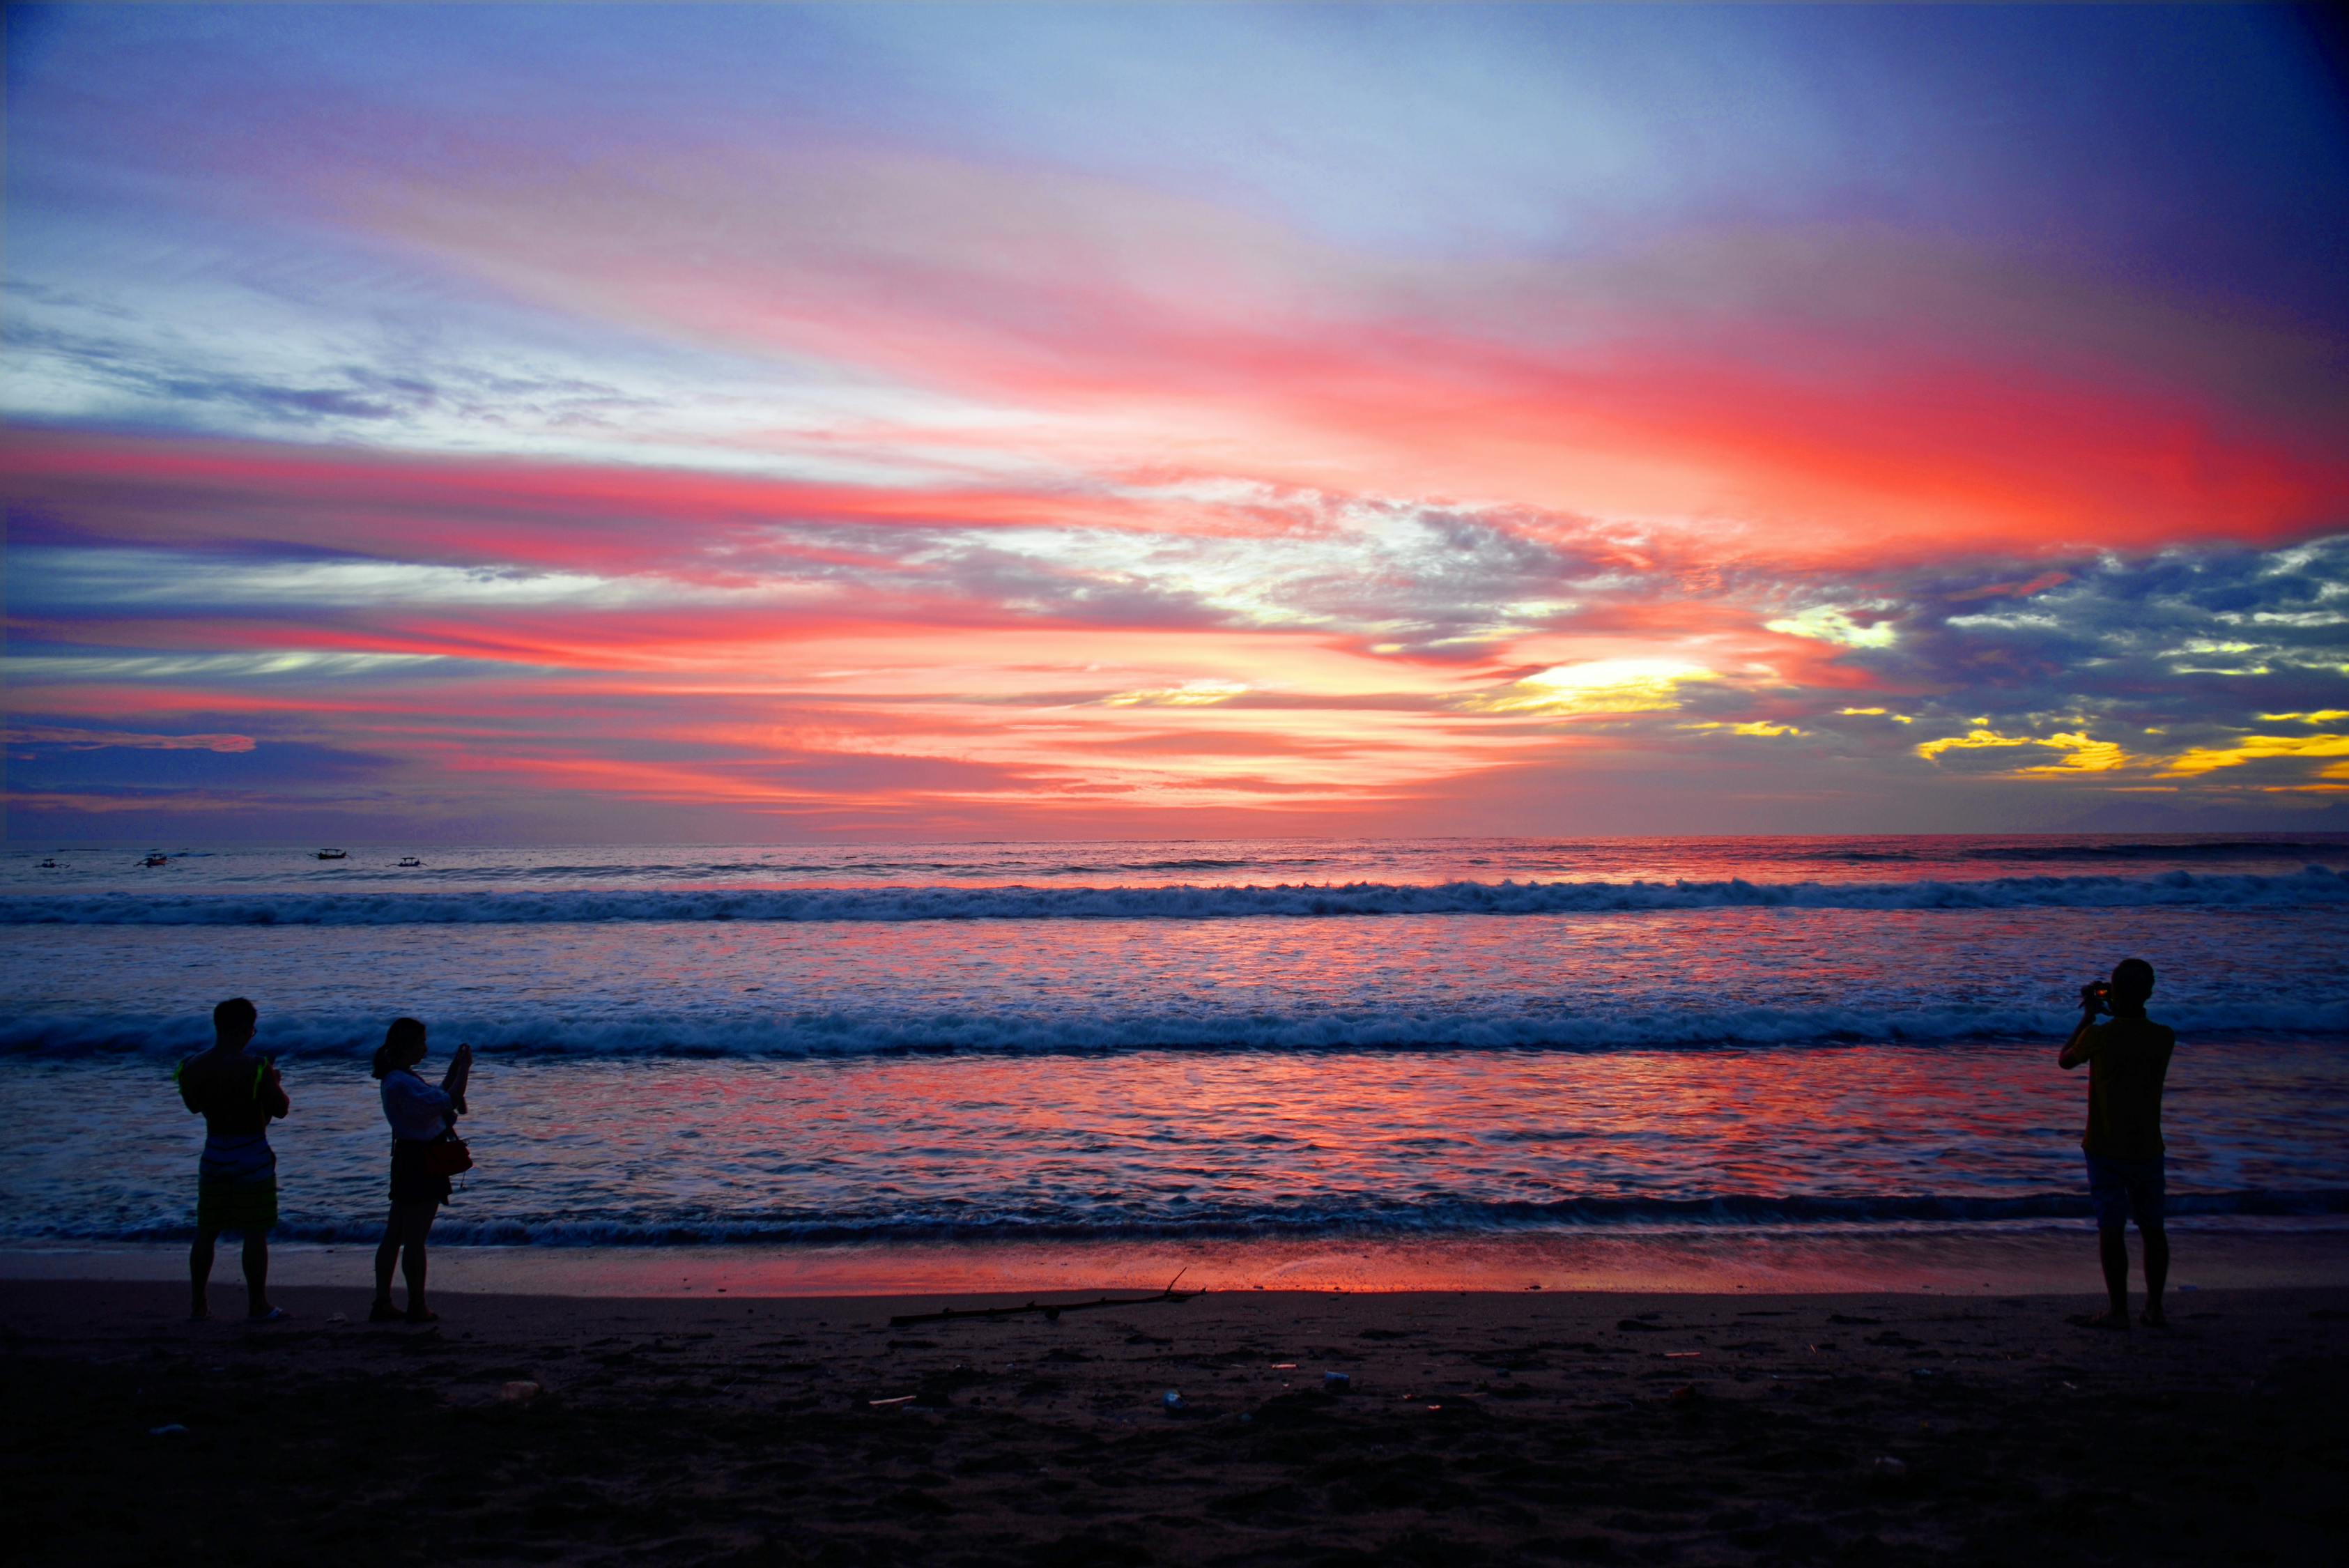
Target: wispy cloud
x,y
96,740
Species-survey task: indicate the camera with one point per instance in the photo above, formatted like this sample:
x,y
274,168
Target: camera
x,y
2097,996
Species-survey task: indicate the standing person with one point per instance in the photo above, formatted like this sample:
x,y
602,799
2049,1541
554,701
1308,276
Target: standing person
x,y
238,1095
2129,1062
420,1115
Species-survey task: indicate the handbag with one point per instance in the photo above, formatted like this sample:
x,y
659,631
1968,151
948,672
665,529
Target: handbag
x,y
447,1155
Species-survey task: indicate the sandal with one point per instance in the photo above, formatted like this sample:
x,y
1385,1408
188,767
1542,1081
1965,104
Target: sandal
x,y
275,1315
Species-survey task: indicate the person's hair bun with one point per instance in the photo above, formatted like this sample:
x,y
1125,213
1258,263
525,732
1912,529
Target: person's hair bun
x,y
402,1042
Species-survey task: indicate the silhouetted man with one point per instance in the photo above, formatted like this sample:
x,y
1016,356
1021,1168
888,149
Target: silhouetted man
x,y
2128,1061
238,1095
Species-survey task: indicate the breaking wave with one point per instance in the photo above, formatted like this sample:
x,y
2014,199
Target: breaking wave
x,y
2312,884
1352,1214
1175,1024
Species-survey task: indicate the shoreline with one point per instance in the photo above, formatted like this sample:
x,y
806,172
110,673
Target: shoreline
x,y
1951,1261
1461,1428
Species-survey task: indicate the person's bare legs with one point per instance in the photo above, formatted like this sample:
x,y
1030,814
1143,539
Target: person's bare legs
x,y
2112,1250
199,1271
256,1274
403,1248
412,1266
387,1257
2156,1271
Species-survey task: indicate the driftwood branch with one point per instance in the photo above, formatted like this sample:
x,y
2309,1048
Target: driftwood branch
x,y
1050,1310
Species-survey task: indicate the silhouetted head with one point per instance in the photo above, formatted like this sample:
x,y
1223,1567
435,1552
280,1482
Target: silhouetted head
x,y
2132,983
403,1047
232,1021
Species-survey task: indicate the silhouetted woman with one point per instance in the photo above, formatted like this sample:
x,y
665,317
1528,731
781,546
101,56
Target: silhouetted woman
x,y
420,1115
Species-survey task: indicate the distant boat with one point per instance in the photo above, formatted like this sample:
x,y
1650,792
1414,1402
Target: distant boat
x,y
333,854
48,865
156,860
409,860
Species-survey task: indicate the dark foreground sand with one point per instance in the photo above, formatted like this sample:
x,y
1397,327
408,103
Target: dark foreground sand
x,y
1478,1427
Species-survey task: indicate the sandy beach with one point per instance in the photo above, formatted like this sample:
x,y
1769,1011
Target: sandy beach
x,y
1311,1426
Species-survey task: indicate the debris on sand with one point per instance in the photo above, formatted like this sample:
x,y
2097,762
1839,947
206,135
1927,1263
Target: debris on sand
x,y
1049,1311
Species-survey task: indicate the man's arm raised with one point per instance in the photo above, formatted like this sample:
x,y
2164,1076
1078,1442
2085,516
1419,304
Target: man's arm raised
x,y
2079,1048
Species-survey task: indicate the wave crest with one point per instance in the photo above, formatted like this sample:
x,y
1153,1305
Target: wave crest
x,y
1352,1215
2312,884
1175,1024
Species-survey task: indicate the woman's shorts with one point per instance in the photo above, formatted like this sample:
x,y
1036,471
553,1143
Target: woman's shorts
x,y
247,1208
410,1182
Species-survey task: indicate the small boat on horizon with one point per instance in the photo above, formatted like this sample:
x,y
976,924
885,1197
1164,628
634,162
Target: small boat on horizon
x,y
409,860
48,865
156,860
333,854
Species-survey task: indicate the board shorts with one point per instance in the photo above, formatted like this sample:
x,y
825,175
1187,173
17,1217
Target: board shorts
x,y
410,1182
247,1208
2122,1189
236,1185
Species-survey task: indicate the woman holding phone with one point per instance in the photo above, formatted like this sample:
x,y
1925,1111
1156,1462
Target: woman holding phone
x,y
420,1116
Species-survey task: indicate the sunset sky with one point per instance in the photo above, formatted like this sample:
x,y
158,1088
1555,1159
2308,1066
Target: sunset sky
x,y
508,423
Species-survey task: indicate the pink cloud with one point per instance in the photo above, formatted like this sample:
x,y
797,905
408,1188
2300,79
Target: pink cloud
x,y
694,524
96,740
1799,399
1709,429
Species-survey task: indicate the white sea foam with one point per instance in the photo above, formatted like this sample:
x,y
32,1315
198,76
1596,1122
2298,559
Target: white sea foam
x,y
1349,1214
2312,886
735,1032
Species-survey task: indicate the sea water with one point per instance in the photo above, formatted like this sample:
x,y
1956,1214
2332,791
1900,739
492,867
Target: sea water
x,y
1447,1038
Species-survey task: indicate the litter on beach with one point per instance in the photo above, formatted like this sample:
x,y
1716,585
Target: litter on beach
x,y
1049,1311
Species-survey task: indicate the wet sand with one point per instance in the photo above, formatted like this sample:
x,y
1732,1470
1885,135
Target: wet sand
x,y
1479,1427
2026,1259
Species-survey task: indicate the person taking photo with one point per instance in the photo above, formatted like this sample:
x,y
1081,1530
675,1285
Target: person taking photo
x,y
2129,1062
422,1119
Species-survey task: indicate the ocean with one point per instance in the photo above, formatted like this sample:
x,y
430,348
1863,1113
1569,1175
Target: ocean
x,y
1212,1040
